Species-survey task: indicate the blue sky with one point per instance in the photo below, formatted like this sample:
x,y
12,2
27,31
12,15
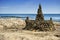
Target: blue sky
x,y
29,6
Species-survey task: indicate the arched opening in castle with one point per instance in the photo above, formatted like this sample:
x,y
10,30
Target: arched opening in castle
x,y
39,23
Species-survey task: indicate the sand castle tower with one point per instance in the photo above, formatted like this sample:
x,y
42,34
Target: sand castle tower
x,y
39,16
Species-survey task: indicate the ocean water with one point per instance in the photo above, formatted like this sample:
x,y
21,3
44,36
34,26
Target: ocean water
x,y
55,17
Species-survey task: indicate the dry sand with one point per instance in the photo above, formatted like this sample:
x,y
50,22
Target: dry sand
x,y
30,35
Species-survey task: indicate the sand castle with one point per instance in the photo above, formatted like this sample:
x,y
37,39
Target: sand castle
x,y
39,24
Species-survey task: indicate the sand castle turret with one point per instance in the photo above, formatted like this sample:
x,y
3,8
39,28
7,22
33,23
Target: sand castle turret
x,y
39,17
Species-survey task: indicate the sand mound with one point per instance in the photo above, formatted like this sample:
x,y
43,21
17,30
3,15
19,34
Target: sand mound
x,y
12,22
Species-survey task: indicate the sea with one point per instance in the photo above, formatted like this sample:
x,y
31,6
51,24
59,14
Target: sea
x,y
55,17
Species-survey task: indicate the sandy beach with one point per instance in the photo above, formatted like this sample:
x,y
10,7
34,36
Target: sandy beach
x,y
25,34
28,35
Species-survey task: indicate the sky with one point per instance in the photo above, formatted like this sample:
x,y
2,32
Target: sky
x,y
29,6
